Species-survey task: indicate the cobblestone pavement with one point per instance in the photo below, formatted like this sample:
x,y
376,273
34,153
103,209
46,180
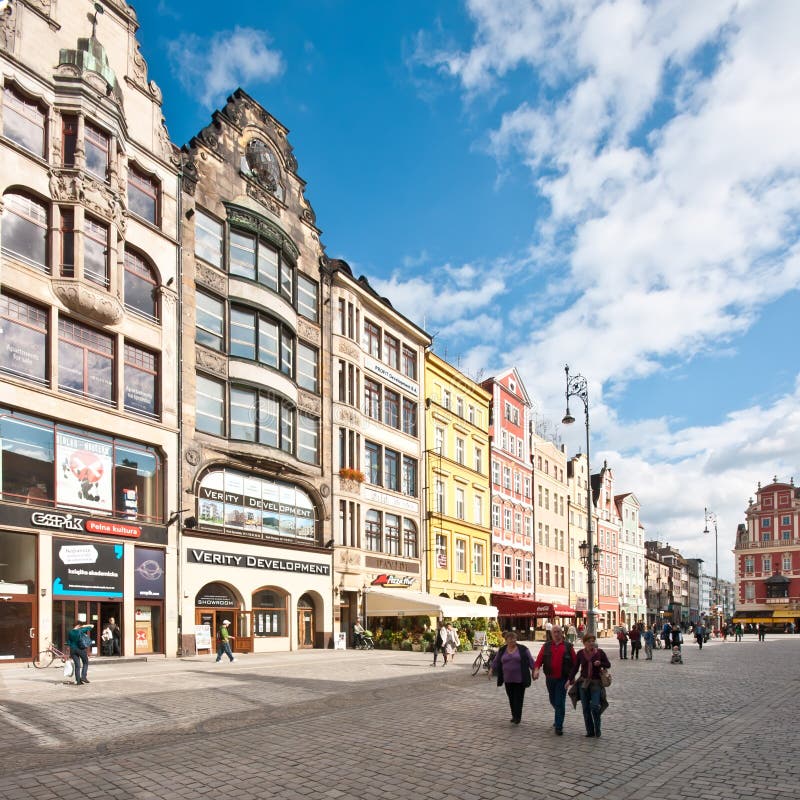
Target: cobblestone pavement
x,y
325,724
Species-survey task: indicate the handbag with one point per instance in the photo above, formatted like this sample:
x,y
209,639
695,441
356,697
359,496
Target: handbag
x,y
605,678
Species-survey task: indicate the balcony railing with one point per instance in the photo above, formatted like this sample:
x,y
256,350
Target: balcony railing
x,y
777,543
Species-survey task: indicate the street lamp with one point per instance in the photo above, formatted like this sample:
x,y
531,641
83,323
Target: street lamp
x,y
710,516
578,387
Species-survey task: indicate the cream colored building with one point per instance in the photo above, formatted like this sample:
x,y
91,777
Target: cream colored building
x,y
88,310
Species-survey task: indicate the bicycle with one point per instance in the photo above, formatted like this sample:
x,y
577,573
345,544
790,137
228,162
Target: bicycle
x,y
483,659
46,657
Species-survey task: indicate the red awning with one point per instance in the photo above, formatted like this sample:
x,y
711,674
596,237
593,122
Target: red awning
x,y
563,611
514,605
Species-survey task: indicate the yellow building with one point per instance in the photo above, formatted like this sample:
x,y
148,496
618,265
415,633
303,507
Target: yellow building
x,y
459,535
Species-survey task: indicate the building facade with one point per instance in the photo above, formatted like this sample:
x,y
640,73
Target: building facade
x,y
459,539
608,532
88,311
255,441
577,481
767,557
377,366
632,606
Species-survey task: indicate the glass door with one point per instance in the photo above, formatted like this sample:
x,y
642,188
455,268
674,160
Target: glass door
x,y
17,634
305,622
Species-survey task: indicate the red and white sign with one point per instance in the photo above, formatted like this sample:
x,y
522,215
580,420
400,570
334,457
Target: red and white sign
x,y
113,528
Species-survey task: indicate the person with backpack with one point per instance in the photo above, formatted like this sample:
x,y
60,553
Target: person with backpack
x,y
80,643
224,641
622,638
557,657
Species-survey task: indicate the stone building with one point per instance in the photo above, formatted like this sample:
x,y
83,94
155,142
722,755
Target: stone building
x,y
88,311
255,439
632,605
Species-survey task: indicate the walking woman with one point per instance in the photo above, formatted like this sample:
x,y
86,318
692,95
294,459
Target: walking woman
x,y
590,662
513,665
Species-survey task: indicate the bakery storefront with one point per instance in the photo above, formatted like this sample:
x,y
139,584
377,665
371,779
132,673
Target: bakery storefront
x,y
255,559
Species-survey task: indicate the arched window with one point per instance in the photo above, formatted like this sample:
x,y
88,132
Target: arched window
x,y
141,285
269,613
25,229
409,539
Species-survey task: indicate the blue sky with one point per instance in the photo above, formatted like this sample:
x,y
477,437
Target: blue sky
x,y
611,184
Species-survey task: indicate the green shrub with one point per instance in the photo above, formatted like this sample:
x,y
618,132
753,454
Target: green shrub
x,y
406,645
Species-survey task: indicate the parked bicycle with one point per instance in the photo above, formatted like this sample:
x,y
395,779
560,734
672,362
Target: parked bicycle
x,y
46,657
484,659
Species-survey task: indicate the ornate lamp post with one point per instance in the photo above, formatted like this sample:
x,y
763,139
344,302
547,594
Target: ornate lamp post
x,y
590,552
710,516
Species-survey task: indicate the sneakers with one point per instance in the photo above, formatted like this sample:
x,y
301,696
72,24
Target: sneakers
x,y
86,680
232,660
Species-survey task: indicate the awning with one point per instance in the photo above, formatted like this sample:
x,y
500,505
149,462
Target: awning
x,y
787,614
563,611
753,616
512,605
400,603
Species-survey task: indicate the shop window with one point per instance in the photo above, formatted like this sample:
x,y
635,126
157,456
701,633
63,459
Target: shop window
x,y
210,321
269,613
23,121
95,251
208,238
141,286
23,344
85,361
18,564
28,461
143,195
137,483
141,381
210,406
98,150
24,233
307,297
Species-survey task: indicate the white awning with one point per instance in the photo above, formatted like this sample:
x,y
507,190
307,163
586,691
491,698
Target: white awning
x,y
401,603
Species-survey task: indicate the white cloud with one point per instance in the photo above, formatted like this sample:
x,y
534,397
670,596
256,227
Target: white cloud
x,y
211,68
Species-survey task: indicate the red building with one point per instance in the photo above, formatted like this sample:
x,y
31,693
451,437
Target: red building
x,y
608,527
768,558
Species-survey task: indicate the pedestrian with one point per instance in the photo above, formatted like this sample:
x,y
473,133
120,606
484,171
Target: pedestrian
x,y
622,638
677,636
513,665
588,667
666,635
737,632
111,638
80,642
450,642
699,634
556,657
649,641
358,632
572,634
437,644
224,641
636,641
762,632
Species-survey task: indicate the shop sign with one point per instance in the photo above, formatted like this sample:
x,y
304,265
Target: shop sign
x,y
70,522
148,573
215,601
60,522
196,556
389,375
393,581
391,564
87,569
386,499
113,528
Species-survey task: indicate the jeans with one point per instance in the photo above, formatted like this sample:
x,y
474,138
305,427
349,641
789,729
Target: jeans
x,y
590,703
623,649
81,661
648,651
224,647
635,647
516,697
557,691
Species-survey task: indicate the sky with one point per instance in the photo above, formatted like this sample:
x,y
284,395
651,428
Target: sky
x,y
612,185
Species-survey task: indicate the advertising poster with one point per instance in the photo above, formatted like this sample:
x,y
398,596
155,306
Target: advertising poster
x,y
148,573
83,472
143,630
234,500
86,569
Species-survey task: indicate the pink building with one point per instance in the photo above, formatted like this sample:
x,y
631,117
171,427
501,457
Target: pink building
x,y
608,528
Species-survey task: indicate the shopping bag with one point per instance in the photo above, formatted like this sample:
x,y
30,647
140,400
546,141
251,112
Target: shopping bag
x,y
69,668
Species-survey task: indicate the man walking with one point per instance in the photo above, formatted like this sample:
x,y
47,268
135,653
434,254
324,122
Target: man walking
x,y
557,657
224,641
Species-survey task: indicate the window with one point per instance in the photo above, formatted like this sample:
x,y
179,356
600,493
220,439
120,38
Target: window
x,y
527,487
391,353
307,367
391,473
141,380
471,415
749,592
786,520
372,530
307,297
256,260
25,229
478,463
409,363
477,558
254,336
372,463
506,477
547,575
391,408
495,473
477,509
507,567
143,195
23,122
439,497
517,483
495,515
372,334
409,417
460,512
95,251
67,231
461,555
409,476
98,147
349,449
243,407
409,539
446,398
518,522
528,571
391,527
459,450
210,325
141,287
242,257
547,499
307,438
348,382
69,139
210,404
766,564
269,613
507,519
85,361
348,319
496,566
372,399
766,522
438,441
23,345
518,569
460,407
440,545
208,237
786,564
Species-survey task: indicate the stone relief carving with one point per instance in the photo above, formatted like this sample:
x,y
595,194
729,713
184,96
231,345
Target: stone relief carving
x,y
348,349
309,402
138,65
190,173
42,5
69,185
192,457
307,330
212,279
210,137
155,90
214,362
348,417
260,196
8,28
88,301
167,150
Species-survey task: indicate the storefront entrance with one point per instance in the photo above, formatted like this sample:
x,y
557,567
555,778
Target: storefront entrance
x,y
94,612
305,622
18,635
17,631
215,603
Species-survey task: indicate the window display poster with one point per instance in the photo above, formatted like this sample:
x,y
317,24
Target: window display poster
x,y
148,573
83,472
87,569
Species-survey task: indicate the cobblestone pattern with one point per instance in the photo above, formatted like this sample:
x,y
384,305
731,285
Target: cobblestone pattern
x,y
325,724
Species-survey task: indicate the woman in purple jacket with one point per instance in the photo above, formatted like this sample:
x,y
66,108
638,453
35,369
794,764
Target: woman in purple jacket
x,y
513,665
590,662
